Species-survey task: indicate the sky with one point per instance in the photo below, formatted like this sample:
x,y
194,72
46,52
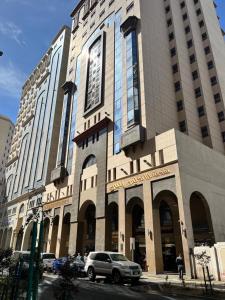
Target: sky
x,y
27,28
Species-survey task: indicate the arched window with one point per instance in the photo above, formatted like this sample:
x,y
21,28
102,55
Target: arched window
x,y
90,161
165,215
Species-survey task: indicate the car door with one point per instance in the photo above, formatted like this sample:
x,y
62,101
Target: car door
x,y
105,264
97,263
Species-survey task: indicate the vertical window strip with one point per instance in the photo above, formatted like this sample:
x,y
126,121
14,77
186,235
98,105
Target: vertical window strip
x,y
73,119
118,85
132,79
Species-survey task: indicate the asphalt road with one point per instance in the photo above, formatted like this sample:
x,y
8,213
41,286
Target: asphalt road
x,y
50,288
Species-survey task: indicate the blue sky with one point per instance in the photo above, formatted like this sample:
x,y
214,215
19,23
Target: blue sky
x,y
27,28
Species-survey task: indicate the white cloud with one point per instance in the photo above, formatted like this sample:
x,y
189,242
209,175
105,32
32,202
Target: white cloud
x,y
11,80
12,31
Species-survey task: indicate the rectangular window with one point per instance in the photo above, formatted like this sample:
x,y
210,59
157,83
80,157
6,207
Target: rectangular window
x,y
118,79
94,75
184,16
201,23
177,86
204,131
189,44
114,173
173,52
201,111
217,98
132,79
92,181
223,136
169,22
180,105
138,165
210,64
192,59
182,5
130,7
131,167
167,9
221,116
198,92
198,12
213,80
207,50
182,126
171,36
187,29
175,68
204,36
195,75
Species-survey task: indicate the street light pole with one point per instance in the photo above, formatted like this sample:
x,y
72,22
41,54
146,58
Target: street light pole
x,y
31,264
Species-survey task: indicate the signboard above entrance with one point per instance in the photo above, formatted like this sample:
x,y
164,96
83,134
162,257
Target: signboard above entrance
x,y
134,180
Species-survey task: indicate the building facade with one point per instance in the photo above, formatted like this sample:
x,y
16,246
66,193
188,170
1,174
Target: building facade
x,y
140,161
6,134
35,142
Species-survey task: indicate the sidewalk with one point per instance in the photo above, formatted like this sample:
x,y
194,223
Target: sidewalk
x,y
171,285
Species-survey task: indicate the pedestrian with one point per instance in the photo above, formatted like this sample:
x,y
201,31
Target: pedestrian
x,y
78,258
180,266
85,257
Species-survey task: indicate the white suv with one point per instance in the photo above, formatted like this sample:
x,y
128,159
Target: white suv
x,y
111,264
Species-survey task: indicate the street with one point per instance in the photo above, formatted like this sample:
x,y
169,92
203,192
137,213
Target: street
x,y
103,291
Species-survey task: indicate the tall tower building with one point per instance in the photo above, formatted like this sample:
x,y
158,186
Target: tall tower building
x,y
140,158
6,133
35,140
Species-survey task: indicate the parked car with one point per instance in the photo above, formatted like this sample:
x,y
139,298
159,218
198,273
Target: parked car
x,y
111,264
24,256
76,266
58,263
48,259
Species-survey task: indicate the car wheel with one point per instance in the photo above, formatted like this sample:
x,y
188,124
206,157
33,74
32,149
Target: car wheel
x,y
116,277
91,274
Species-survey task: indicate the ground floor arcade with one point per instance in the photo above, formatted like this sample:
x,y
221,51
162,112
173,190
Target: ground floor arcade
x,y
151,216
149,221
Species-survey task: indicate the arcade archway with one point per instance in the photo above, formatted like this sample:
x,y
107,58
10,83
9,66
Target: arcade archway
x,y
201,220
86,228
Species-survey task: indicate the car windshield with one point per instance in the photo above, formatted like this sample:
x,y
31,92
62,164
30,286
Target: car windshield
x,y
118,257
49,256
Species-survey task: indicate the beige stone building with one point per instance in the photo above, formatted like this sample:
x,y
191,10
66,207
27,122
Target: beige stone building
x,y
140,166
35,142
6,134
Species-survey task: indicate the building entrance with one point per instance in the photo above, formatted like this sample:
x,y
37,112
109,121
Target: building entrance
x,y
135,224
169,229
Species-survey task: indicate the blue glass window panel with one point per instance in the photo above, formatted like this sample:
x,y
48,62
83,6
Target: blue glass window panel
x,y
117,147
130,116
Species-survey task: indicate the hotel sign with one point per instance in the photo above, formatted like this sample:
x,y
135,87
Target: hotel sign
x,y
135,180
58,203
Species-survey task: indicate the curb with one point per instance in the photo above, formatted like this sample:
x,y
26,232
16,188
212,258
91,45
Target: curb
x,y
152,286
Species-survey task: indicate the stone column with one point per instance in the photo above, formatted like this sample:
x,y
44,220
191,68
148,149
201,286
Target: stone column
x,y
100,234
121,218
49,237
13,240
152,232
58,242
73,238
185,226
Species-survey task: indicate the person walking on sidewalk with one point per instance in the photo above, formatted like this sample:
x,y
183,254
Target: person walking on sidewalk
x,y
180,266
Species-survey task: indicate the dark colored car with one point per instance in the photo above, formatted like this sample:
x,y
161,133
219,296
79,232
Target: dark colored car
x,y
75,266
